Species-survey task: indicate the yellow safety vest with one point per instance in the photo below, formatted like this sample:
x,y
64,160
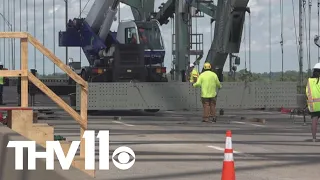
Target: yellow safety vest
x,y
313,94
194,75
209,82
1,81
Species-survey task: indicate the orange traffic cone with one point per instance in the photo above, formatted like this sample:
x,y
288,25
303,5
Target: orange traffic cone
x,y
228,172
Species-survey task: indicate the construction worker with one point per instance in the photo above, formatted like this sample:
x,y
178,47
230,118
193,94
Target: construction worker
x,y
1,85
313,98
194,74
209,83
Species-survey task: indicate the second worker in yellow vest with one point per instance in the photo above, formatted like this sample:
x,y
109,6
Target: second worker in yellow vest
x,y
313,96
194,74
209,83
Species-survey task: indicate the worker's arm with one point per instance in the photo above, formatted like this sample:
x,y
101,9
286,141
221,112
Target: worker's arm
x,y
307,92
198,83
218,82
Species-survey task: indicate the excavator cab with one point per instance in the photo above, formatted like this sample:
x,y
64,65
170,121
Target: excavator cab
x,y
148,35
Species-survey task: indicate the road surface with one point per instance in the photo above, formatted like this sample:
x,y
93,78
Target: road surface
x,y
177,146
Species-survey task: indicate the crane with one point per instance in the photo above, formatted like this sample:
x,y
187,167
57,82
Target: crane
x,y
134,52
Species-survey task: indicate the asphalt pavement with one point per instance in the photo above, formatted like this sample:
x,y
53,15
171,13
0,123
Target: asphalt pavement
x,y
178,146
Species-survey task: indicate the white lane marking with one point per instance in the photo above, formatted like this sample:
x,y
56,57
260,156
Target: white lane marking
x,y
222,149
257,125
119,122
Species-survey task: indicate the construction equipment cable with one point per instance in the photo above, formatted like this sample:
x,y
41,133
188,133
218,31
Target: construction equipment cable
x,y
245,45
1,39
281,41
318,28
35,33
270,50
172,40
309,39
250,43
295,27
80,49
306,36
4,29
8,24
14,29
20,4
85,6
27,16
12,39
54,32
43,71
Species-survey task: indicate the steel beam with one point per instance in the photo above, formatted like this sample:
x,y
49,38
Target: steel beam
x,y
136,8
207,8
141,9
166,11
182,40
230,16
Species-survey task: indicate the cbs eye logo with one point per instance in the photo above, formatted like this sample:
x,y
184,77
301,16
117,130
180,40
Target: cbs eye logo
x,y
122,154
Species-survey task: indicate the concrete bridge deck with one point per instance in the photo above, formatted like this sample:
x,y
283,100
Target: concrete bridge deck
x,y
176,145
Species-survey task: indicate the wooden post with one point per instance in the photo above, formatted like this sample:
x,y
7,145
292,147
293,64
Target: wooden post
x,y
24,67
84,116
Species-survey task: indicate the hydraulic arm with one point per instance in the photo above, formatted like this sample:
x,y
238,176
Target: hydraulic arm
x,y
230,18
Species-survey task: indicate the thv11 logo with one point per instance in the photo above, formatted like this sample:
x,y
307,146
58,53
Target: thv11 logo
x,y
54,147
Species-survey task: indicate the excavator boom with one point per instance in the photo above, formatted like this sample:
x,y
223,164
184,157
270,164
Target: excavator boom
x,y
230,18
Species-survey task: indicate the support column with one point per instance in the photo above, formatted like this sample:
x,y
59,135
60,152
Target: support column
x,y
181,39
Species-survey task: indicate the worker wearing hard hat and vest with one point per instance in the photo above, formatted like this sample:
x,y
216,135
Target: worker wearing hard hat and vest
x,y
194,74
209,83
313,96
1,85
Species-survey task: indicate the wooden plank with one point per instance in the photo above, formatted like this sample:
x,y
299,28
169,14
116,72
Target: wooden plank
x,y
57,100
6,108
24,67
57,61
13,73
20,121
41,133
13,35
84,116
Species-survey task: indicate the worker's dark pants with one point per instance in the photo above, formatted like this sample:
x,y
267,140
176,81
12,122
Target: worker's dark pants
x,y
1,92
209,107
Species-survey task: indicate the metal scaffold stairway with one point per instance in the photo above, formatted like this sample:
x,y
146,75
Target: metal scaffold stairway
x,y
195,38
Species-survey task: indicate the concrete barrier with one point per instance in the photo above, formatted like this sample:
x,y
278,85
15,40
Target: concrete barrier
x,y
7,163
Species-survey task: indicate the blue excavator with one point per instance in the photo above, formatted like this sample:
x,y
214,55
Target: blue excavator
x,y
135,52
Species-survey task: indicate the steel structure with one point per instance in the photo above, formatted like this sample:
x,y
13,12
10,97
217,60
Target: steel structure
x,y
134,52
229,17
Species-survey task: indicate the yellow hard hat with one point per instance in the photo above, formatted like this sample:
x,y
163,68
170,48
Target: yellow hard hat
x,y
207,66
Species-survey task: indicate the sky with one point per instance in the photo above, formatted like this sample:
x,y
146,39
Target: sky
x,y
54,21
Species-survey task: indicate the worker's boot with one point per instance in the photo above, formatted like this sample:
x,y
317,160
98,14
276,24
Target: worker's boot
x,y
213,119
205,120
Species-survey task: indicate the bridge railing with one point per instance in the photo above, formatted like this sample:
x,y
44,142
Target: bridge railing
x,y
26,76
